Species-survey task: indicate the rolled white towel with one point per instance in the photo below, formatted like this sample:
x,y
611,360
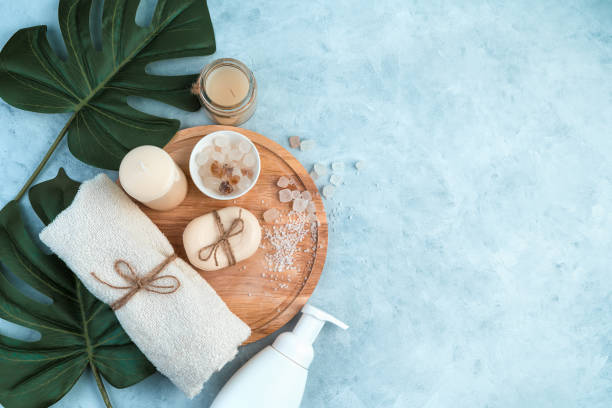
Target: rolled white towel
x,y
187,331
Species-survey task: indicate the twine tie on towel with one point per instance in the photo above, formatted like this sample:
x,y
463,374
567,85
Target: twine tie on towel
x,y
149,282
236,228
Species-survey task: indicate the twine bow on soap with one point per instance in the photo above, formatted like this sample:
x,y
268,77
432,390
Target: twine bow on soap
x,y
149,282
236,228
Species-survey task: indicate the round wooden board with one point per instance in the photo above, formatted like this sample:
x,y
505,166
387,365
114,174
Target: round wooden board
x,y
263,300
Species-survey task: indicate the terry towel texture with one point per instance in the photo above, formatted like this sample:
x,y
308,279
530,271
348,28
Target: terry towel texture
x,y
188,334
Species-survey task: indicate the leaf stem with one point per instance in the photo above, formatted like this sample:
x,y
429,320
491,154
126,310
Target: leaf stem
x,y
45,159
94,370
101,386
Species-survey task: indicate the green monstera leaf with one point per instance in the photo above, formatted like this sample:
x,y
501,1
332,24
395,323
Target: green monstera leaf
x,y
77,331
94,84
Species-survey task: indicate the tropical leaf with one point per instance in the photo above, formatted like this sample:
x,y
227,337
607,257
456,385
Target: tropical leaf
x,y
94,84
76,330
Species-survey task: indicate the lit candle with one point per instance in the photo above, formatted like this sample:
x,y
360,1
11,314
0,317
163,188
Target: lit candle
x,y
149,175
227,90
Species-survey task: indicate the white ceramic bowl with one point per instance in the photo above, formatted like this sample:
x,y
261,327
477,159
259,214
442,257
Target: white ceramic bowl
x,y
208,141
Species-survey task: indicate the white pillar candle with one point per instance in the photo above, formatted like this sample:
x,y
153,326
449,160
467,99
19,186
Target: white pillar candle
x,y
149,175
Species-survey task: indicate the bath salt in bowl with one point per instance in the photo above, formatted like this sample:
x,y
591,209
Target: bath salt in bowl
x,y
224,165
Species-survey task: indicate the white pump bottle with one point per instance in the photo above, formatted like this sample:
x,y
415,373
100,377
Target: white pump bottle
x,y
276,376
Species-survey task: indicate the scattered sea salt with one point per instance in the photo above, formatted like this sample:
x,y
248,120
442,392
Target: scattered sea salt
x,y
335,179
295,194
285,239
328,191
305,195
271,215
337,166
306,145
284,195
321,169
311,208
314,175
294,142
359,165
282,182
299,205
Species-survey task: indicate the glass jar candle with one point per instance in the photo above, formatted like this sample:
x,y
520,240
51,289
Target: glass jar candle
x,y
228,92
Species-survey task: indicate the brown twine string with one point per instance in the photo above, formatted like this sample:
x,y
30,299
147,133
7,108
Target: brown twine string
x,y
196,88
146,282
223,241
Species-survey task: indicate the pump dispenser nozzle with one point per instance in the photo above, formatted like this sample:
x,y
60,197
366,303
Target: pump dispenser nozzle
x,y
297,345
276,376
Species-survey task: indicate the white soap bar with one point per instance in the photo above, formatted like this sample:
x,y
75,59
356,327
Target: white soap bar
x,y
202,233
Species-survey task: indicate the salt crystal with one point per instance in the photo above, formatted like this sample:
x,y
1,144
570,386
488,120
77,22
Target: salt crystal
x,y
218,156
328,191
271,215
359,165
282,182
235,154
284,195
244,146
244,184
225,150
314,175
295,194
221,141
204,171
299,205
335,179
311,207
321,169
306,195
202,157
211,183
306,145
294,142
249,160
236,172
337,166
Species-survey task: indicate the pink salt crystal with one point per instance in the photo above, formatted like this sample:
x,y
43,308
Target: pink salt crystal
x,y
311,207
299,205
294,142
306,195
284,195
270,215
295,194
282,182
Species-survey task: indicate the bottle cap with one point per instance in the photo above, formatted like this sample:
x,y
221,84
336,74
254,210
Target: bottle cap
x,y
297,345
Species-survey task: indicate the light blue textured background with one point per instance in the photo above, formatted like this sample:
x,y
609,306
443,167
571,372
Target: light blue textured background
x,y
473,257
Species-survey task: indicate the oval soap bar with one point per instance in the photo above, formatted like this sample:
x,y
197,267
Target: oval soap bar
x,y
202,235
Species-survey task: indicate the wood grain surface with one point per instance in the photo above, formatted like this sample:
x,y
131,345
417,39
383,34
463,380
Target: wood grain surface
x,y
262,299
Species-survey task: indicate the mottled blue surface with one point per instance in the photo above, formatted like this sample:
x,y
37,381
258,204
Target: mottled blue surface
x,y
473,257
